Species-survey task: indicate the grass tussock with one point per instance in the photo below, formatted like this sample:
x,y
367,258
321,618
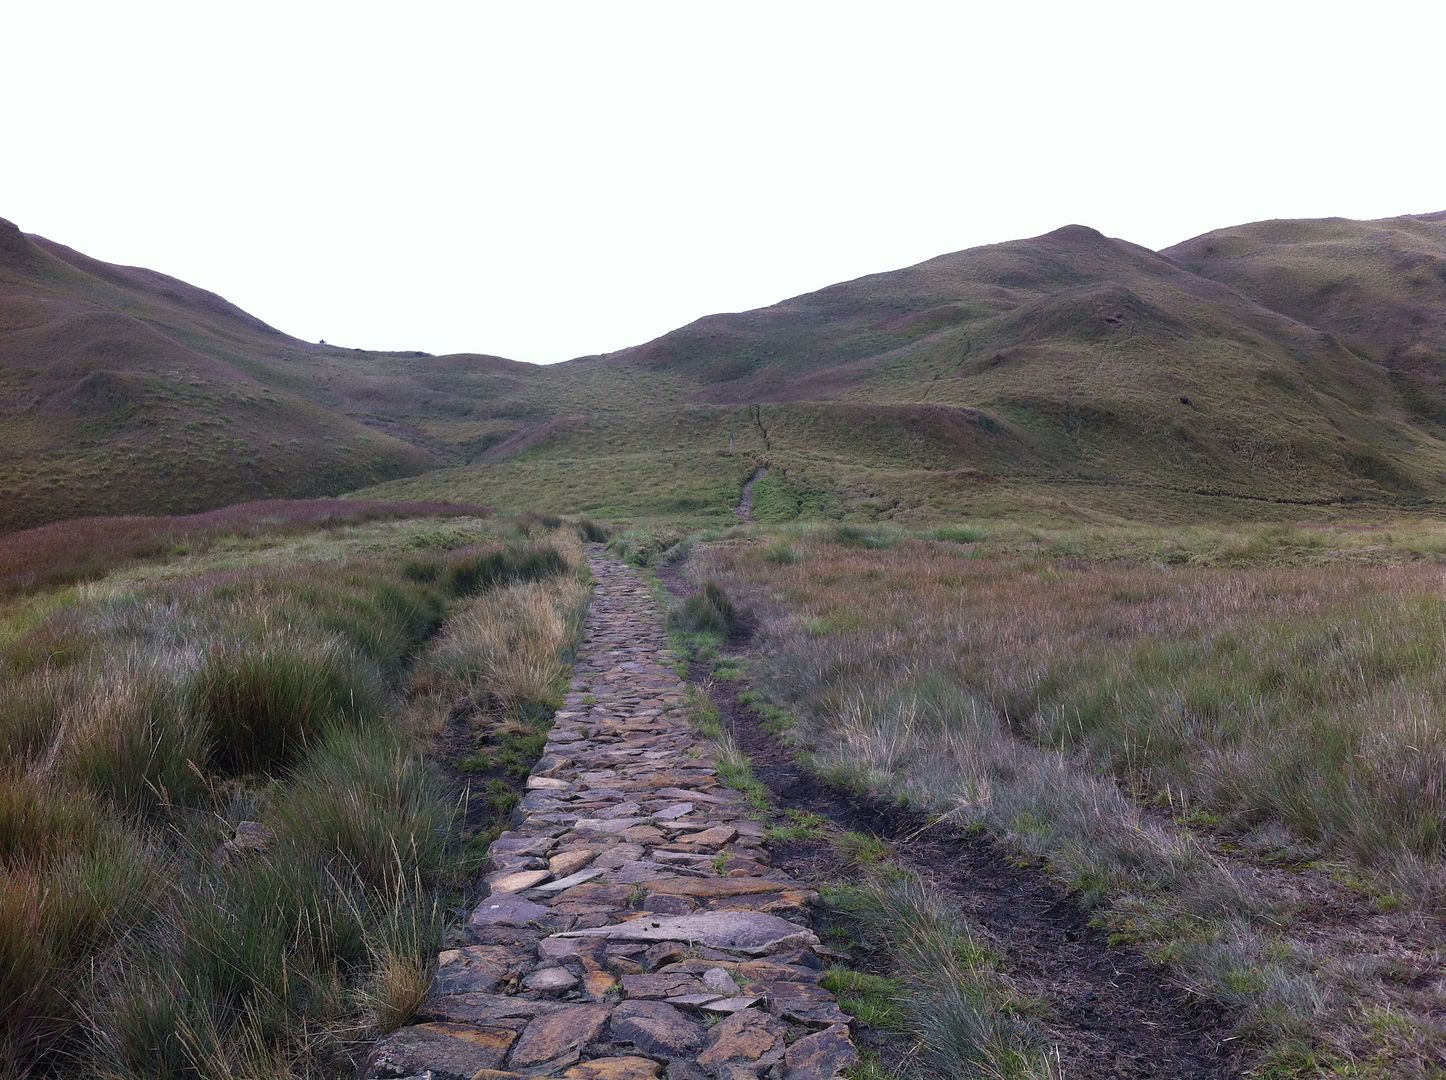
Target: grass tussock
x,y
946,991
710,611
508,647
142,725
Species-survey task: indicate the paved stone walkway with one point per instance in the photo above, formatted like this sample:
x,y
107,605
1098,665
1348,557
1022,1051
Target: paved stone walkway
x,y
633,928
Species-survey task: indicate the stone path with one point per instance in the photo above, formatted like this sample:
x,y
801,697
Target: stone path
x,y
633,928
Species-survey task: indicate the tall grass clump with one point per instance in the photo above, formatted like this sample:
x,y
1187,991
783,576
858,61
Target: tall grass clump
x,y
861,536
591,531
138,747
709,611
962,1013
510,647
365,805
472,570
263,702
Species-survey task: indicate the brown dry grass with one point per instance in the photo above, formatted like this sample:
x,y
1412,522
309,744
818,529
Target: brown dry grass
x,y
1091,710
85,548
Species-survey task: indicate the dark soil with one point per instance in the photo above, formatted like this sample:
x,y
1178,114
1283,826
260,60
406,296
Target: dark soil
x,y
1111,1014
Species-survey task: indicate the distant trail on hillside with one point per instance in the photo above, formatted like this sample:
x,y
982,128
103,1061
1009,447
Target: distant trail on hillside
x,y
744,509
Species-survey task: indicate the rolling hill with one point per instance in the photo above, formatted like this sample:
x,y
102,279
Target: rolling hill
x,y
1379,286
1295,363
1065,374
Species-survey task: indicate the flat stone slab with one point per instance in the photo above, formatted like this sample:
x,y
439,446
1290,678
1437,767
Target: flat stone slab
x,y
447,1051
506,909
755,933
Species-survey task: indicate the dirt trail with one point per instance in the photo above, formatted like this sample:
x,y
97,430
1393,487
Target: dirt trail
x,y
633,925
1111,1014
744,509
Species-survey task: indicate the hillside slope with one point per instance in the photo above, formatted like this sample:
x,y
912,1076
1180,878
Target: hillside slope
x,y
123,390
1075,354
1380,286
1069,373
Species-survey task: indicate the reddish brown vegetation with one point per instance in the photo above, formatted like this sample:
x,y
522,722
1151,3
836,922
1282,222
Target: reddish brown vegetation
x,y
69,551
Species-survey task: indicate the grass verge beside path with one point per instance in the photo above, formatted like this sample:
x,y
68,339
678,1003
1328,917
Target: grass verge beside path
x,y
1286,710
923,989
224,852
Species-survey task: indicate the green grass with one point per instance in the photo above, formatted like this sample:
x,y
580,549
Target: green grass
x,y
945,989
872,1000
146,719
710,612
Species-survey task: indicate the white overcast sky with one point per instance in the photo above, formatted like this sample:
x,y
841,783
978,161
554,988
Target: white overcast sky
x,y
546,180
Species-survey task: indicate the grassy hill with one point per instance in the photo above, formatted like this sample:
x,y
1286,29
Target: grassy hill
x,y
1379,286
124,391
1065,375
